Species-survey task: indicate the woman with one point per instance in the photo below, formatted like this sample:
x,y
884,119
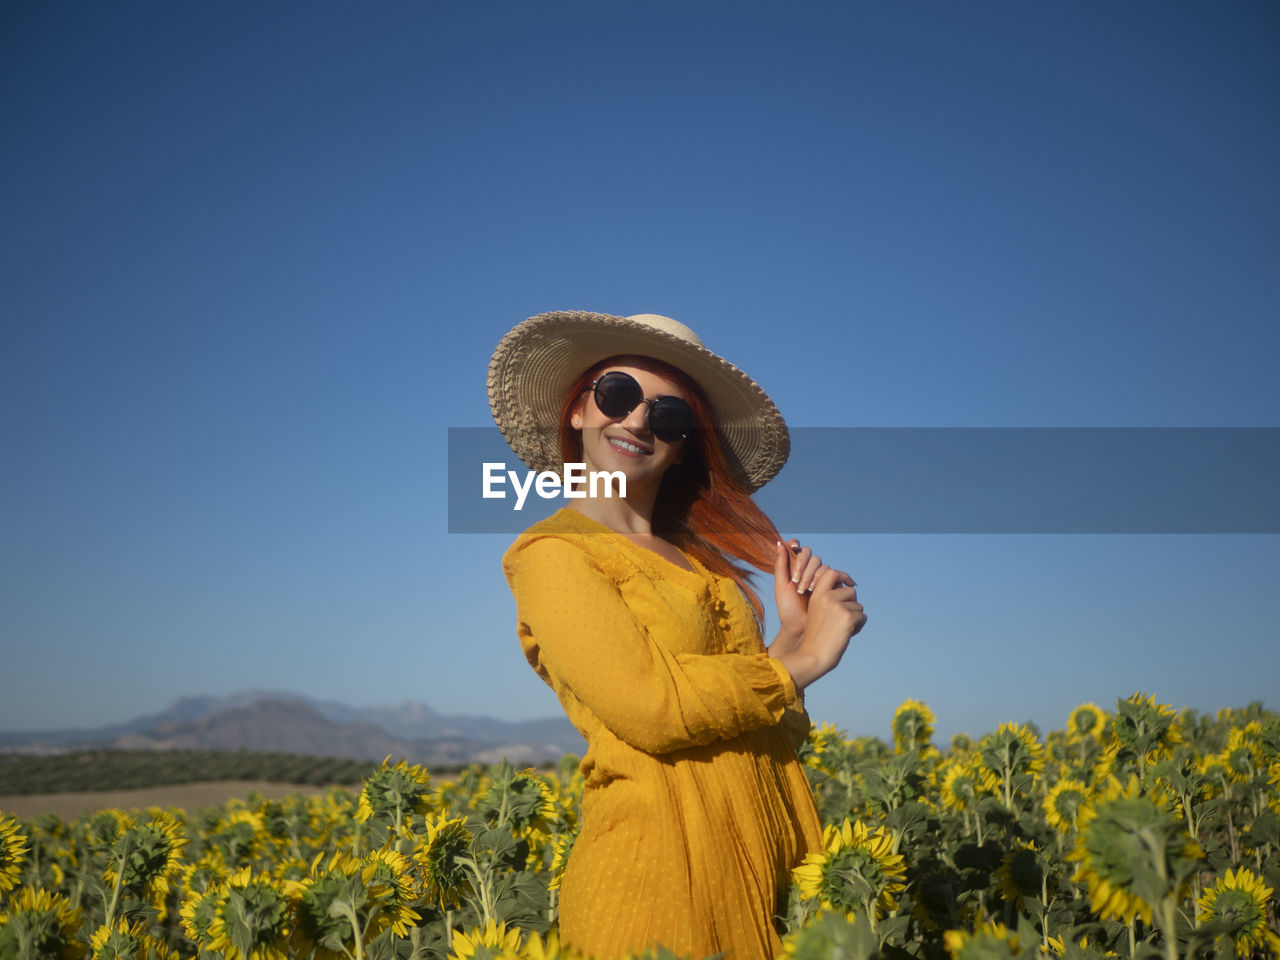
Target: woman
x,y
637,612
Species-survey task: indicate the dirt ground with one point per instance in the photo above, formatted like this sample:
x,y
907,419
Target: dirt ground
x,y
188,796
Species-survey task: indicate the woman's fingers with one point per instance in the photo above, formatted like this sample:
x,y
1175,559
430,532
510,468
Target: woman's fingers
x,y
806,568
800,557
833,579
809,579
781,563
836,589
790,604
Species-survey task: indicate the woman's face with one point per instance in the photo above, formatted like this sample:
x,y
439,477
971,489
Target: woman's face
x,y
627,443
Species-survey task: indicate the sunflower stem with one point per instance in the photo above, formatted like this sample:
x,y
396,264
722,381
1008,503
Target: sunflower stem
x,y
482,887
1044,911
357,934
1231,824
1194,823
1169,929
115,887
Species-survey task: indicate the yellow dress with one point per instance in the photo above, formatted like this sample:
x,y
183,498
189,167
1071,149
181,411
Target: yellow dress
x,y
696,808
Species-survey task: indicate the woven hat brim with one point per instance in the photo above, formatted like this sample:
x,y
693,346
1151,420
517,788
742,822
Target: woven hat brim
x,y
536,363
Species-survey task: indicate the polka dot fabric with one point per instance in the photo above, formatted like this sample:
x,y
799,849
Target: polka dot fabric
x,y
696,808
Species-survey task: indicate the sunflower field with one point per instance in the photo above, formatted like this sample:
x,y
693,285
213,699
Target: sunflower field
x,y
1137,833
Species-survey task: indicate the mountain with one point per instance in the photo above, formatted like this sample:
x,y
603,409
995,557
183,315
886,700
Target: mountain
x,y
282,722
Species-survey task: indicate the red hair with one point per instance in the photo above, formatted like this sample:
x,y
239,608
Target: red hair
x,y
701,507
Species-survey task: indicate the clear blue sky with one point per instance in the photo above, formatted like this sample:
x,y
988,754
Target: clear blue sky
x,y
255,260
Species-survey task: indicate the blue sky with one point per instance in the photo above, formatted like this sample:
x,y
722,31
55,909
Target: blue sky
x,y
254,262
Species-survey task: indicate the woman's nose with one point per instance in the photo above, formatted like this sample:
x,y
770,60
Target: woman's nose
x,y
637,421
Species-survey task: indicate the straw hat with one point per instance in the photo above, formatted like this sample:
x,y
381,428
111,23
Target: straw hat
x,y
536,364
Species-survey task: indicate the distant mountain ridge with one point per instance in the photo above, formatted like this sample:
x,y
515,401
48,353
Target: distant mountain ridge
x,y
283,722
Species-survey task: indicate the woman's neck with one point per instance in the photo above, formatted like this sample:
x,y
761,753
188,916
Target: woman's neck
x,y
626,518
632,515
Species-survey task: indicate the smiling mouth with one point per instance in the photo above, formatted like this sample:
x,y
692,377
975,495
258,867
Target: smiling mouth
x,y
628,448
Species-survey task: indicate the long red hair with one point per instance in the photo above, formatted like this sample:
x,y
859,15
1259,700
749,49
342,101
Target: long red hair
x,y
701,507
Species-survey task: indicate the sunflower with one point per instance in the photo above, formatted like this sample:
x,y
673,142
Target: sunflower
x,y
47,922
393,792
201,874
546,948
106,826
857,869
198,912
1009,759
1252,731
1105,763
1057,747
1242,757
328,905
821,745
124,940
912,726
1063,802
13,853
437,853
961,786
987,940
494,935
1059,947
289,868
334,814
1240,898
1213,767
1022,873
1133,851
542,821
933,899
521,801
1086,720
251,919
560,859
1144,730
151,854
386,873
238,839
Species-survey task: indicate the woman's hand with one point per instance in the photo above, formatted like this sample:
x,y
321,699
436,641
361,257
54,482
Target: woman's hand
x,y
833,616
795,569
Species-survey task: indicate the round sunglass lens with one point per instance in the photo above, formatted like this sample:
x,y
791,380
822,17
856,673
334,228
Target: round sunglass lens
x,y
670,419
617,394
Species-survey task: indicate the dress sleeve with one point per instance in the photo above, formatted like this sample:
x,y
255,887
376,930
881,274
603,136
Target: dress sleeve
x,y
579,634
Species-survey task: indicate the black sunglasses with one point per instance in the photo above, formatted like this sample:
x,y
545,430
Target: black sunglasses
x,y
617,394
